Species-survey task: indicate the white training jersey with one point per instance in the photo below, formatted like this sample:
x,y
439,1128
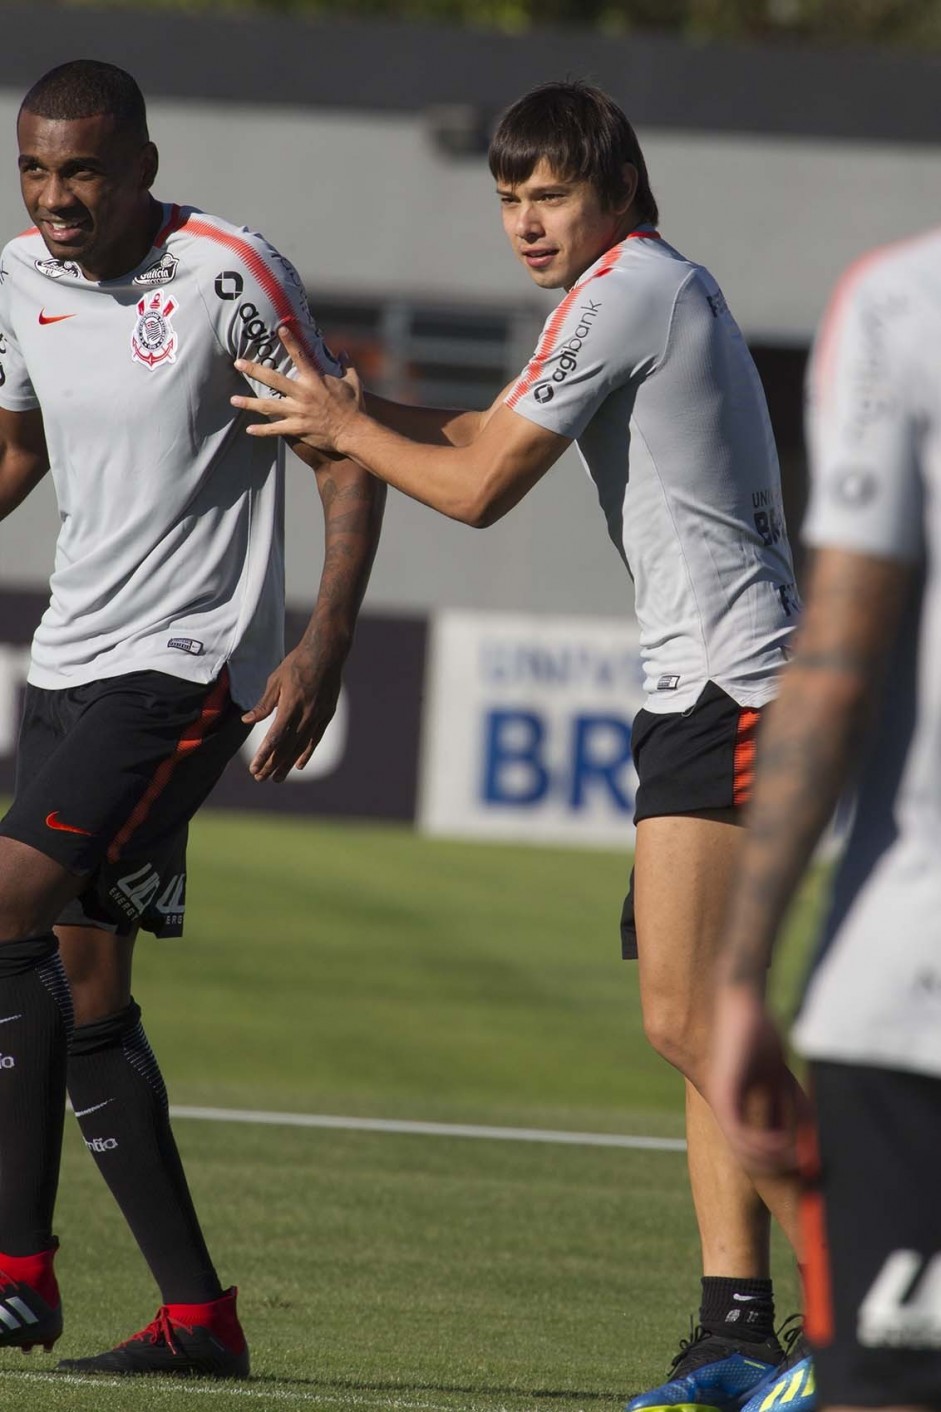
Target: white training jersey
x,y
874,996
170,552
644,367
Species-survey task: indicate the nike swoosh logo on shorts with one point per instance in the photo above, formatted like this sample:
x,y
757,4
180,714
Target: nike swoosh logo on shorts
x,y
54,822
84,1112
45,318
7,1018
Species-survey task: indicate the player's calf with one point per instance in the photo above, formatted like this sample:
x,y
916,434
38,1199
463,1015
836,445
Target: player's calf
x,y
120,1102
35,1022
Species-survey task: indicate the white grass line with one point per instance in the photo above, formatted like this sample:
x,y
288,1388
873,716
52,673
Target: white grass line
x,y
251,1391
395,1125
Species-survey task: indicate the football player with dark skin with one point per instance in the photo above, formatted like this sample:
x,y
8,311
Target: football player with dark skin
x,y
129,720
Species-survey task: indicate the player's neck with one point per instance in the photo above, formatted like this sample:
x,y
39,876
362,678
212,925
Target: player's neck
x,y
127,253
629,223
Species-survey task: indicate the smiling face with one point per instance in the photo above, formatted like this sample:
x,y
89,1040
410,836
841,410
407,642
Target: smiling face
x,y
86,184
559,226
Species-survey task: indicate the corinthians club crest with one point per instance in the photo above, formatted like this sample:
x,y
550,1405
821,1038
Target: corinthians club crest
x,y
154,338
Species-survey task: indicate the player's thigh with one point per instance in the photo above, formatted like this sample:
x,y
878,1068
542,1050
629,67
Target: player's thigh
x,y
874,1288
142,880
683,868
84,756
34,883
111,795
33,890
691,765
694,772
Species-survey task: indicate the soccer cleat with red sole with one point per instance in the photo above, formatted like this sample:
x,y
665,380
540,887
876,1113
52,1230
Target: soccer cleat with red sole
x,y
183,1341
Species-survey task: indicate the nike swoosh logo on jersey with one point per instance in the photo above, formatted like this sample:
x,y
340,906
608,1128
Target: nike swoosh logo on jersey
x,y
7,1018
54,822
84,1112
45,318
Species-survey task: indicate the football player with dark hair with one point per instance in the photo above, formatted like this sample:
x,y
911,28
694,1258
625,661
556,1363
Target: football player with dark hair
x,y
120,317
580,133
87,88
643,367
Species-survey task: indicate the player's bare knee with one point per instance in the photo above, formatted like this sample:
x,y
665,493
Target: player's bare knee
x,y
677,1040
93,1003
98,965
668,1046
24,917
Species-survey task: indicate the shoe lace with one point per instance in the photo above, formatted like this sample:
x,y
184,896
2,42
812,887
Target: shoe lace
x,y
688,1346
792,1340
159,1330
700,1347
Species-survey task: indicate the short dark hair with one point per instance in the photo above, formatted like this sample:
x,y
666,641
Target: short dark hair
x,y
581,133
84,88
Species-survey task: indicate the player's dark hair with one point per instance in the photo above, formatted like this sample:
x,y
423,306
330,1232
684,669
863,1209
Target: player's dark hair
x,y
84,88
581,133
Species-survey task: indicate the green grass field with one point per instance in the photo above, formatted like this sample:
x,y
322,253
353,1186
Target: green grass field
x,y
364,971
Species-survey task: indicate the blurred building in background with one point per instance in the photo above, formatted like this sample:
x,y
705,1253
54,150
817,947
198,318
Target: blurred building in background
x,y
359,150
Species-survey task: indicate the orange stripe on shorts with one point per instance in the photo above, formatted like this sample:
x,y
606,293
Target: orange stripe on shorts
x,y
191,739
743,769
815,1259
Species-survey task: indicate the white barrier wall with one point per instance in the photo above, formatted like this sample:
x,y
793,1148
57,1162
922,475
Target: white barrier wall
x,y
526,730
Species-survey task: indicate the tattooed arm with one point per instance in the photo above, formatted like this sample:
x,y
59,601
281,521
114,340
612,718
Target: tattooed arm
x,y
809,745
305,688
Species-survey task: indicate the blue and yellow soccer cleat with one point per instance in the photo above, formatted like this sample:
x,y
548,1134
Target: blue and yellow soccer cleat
x,y
792,1388
712,1374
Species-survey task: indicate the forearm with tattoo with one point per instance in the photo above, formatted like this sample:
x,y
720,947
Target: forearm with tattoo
x,y
353,506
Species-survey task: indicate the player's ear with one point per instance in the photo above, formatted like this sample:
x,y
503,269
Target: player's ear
x,y
150,162
630,181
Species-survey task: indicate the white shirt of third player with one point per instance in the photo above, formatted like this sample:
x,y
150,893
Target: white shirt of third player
x,y
875,428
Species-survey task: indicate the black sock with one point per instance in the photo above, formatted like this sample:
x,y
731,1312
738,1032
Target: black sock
x,y
35,1021
120,1102
737,1308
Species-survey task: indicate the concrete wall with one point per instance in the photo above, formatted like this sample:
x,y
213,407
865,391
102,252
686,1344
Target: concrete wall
x,y
366,204
363,203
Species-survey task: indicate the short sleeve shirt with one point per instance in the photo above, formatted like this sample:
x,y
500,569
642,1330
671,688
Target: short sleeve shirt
x,y
644,367
874,425
170,552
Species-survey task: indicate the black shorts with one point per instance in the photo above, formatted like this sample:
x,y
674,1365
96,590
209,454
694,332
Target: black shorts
x,y
702,758
108,776
871,1220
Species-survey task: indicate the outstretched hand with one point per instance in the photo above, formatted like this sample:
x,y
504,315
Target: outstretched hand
x,y
314,407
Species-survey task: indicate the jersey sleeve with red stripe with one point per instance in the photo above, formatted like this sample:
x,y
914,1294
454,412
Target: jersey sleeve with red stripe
x,y
863,416
16,389
249,290
611,328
